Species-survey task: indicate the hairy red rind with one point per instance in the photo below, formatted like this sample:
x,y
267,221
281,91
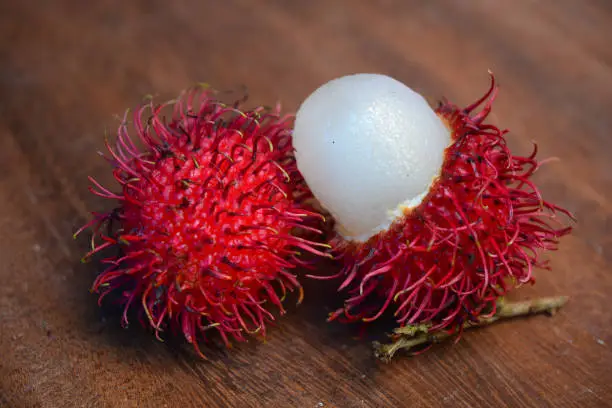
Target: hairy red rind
x,y
476,235
203,230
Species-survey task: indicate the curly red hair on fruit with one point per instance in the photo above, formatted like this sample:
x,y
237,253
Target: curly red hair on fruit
x,y
476,234
203,233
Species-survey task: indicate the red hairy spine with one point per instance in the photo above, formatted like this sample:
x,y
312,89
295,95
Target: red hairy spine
x,y
206,229
476,235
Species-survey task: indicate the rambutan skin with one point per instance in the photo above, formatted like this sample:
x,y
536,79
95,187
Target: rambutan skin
x,y
477,235
206,227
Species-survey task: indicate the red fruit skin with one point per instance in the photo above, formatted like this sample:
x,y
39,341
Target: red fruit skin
x,y
204,230
476,235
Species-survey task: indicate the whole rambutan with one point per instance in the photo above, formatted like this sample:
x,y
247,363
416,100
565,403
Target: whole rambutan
x,y
434,217
210,217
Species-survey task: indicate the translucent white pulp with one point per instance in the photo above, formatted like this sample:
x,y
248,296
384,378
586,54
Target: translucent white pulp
x,y
368,146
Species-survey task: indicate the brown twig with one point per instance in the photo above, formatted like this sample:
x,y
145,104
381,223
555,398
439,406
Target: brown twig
x,y
409,337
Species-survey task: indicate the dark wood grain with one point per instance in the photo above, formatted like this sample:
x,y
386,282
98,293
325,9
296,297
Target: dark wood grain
x,y
67,67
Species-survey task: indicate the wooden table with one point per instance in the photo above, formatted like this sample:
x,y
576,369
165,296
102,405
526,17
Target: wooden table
x,y
67,67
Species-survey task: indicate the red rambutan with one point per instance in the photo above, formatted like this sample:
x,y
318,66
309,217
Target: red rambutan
x,y
206,230
434,217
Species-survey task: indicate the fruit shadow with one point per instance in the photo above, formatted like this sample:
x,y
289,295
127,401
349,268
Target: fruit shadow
x,y
351,340
323,298
137,340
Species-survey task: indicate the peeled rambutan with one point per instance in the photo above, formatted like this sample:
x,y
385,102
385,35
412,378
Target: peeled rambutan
x,y
435,219
210,217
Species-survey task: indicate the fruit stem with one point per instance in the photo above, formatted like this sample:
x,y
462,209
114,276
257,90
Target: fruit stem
x,y
409,337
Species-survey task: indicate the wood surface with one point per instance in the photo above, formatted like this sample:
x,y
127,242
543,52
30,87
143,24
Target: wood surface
x,y
68,67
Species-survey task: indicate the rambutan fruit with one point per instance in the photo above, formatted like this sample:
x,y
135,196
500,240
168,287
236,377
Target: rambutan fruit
x,y
210,217
434,217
